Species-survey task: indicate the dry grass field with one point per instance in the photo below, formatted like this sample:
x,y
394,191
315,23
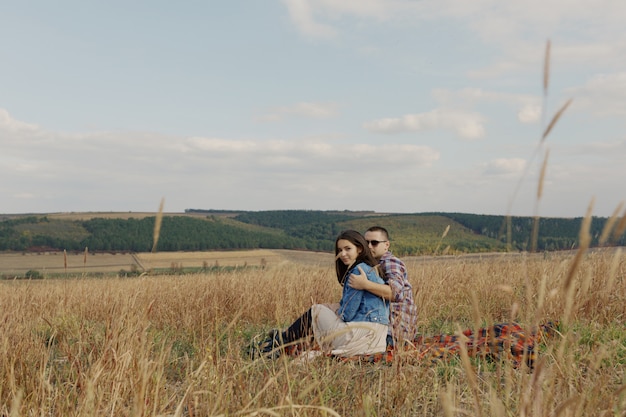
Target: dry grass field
x,y
175,345
55,263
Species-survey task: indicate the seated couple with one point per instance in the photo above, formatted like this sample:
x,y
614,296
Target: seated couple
x,y
363,322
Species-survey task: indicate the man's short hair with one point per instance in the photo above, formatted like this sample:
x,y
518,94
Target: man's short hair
x,y
379,229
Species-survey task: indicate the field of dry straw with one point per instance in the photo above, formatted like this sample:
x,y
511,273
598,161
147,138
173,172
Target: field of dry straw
x,y
176,345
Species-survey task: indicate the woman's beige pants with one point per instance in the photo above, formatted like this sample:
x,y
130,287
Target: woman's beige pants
x,y
339,338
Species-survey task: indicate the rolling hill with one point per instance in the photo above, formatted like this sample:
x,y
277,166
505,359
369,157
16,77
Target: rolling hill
x,y
198,230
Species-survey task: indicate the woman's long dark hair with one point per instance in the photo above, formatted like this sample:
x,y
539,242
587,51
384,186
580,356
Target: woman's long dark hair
x,y
365,255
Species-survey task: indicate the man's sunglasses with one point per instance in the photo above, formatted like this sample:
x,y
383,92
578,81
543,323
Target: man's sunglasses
x,y
375,242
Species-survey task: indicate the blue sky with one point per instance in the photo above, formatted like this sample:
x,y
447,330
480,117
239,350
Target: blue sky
x,y
395,106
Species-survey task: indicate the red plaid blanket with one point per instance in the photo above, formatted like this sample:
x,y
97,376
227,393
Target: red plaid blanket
x,y
501,341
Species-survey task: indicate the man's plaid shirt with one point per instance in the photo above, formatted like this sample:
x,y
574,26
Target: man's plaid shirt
x,y
403,311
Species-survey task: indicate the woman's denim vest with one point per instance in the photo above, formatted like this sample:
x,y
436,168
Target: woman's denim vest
x,y
361,305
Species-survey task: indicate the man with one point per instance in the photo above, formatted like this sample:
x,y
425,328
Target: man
x,y
398,290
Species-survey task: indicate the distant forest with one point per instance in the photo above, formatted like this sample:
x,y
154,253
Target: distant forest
x,y
204,230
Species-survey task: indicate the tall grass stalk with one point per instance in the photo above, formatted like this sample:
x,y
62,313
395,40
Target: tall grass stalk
x,y
157,226
546,131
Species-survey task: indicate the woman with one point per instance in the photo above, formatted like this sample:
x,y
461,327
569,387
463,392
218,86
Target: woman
x,y
358,324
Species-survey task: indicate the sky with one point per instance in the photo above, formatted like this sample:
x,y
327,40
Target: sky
x,y
395,106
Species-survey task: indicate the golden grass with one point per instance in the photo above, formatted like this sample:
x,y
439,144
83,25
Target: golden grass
x,y
50,263
176,345
53,262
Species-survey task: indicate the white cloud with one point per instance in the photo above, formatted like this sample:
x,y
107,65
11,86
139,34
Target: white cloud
x,y
9,124
66,172
603,95
529,114
303,109
528,106
24,196
476,95
505,166
307,15
607,150
96,170
219,145
301,156
301,14
467,125
585,32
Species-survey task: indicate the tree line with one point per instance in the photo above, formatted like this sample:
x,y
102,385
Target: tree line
x,y
552,233
299,229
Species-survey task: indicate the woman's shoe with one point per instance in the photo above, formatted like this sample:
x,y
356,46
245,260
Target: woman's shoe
x,y
270,347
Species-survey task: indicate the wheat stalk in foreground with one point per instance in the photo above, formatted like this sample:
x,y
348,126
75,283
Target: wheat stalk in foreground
x,y
157,226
